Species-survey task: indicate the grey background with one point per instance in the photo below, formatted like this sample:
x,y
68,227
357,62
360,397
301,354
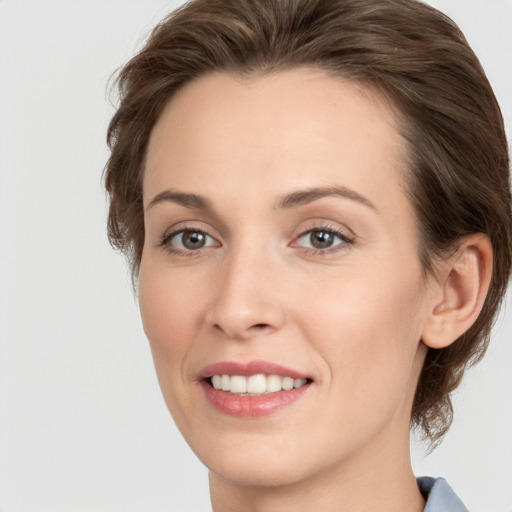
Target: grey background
x,y
82,423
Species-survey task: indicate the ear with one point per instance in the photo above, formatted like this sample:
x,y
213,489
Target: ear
x,y
459,291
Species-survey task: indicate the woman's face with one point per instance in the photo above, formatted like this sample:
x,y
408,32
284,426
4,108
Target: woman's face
x,y
281,250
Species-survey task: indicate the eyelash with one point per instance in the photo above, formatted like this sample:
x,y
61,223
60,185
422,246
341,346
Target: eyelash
x,y
345,241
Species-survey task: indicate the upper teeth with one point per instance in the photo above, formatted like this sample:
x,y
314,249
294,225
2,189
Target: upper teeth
x,y
255,384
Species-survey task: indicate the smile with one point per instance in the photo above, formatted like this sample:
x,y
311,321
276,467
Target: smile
x,y
255,385
252,389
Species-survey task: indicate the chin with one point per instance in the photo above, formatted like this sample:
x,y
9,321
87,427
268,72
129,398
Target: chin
x,y
251,462
258,472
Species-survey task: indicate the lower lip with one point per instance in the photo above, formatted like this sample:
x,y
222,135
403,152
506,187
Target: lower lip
x,y
251,406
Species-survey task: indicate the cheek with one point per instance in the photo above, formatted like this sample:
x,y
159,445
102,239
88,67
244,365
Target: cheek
x,y
367,328
166,306
167,313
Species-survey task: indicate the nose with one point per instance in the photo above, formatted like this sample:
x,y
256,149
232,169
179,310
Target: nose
x,y
248,301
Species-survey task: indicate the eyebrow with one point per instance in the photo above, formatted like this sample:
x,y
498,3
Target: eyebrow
x,y
293,200
303,197
192,201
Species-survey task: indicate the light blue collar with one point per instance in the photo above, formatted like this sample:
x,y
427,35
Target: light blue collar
x,y
439,495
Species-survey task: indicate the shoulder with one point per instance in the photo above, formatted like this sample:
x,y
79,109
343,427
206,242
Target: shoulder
x,y
439,495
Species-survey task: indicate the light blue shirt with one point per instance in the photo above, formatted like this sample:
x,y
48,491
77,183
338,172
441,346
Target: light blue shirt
x,y
439,496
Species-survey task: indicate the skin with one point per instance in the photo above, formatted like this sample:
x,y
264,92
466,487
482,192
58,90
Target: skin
x,y
351,316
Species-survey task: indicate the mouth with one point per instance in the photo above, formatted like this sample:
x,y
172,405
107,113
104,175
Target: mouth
x,y
255,385
253,389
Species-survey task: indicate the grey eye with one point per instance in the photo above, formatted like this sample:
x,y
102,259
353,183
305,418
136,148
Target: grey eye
x,y
191,240
320,239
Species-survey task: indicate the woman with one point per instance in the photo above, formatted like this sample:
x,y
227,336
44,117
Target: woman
x,y
315,200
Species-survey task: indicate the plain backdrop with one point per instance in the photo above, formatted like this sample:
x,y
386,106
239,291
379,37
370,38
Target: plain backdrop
x,y
83,426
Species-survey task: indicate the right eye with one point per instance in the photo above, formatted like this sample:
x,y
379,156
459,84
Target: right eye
x,y
187,240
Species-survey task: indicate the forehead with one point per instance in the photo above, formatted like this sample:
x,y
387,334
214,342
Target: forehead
x,y
297,127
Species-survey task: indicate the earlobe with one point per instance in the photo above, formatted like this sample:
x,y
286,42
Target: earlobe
x,y
462,285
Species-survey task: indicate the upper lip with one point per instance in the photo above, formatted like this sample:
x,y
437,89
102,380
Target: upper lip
x,y
249,368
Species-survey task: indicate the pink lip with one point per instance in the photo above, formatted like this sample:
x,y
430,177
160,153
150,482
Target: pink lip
x,y
250,406
249,368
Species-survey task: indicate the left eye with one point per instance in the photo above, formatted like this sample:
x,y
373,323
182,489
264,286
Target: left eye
x,y
321,239
190,240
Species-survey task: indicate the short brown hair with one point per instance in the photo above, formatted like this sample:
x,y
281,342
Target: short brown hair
x,y
417,57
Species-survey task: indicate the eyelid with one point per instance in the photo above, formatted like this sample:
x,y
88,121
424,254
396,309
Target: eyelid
x,y
329,227
186,225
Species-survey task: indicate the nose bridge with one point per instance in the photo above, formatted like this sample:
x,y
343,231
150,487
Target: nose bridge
x,y
247,299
